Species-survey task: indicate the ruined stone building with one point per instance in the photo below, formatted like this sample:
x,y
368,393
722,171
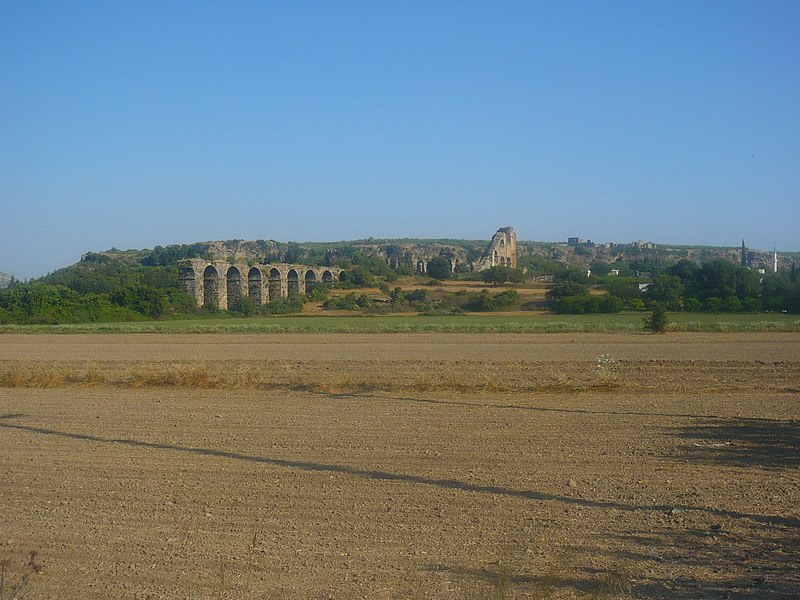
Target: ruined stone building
x,y
501,251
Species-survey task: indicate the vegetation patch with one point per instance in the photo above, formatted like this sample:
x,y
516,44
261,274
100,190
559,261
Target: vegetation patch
x,y
470,323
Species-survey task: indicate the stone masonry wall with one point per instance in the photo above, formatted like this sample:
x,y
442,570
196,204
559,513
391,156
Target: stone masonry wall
x,y
216,283
501,251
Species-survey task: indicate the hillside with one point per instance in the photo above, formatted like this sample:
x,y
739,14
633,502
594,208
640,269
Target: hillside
x,y
535,256
5,279
135,285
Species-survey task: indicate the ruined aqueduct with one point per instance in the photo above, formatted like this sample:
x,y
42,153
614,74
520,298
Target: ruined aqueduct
x,y
220,284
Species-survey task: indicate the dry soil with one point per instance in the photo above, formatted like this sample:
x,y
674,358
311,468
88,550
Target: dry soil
x,y
666,469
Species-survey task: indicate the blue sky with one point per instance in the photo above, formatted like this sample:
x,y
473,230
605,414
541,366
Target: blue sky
x,y
135,124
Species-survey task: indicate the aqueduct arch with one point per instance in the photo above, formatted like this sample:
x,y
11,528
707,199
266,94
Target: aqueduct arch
x,y
311,280
255,286
221,284
292,282
234,286
210,287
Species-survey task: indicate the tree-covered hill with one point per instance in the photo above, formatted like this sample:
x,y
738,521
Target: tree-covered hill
x,y
117,285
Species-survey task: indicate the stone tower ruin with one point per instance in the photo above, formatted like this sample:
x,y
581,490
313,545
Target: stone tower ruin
x,y
501,251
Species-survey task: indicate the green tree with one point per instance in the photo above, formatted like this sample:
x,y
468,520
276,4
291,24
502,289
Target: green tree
x,y
657,322
244,306
624,288
600,268
666,290
506,300
358,277
144,299
779,293
294,253
686,270
576,274
610,304
500,275
721,280
563,289
439,268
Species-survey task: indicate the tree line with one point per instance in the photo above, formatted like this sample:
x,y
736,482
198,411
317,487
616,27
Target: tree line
x,y
102,289
715,286
95,290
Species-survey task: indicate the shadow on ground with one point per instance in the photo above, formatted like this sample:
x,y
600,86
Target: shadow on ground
x,y
714,554
748,561
743,443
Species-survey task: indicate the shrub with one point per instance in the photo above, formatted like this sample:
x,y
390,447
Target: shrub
x,y
657,322
284,306
347,302
318,293
610,304
439,268
243,306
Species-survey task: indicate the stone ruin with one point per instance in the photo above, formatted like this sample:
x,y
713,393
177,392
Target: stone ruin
x,y
501,251
221,284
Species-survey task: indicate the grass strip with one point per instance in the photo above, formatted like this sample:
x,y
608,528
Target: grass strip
x,y
495,323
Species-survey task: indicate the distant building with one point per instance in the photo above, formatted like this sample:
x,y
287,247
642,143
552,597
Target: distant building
x,y
642,245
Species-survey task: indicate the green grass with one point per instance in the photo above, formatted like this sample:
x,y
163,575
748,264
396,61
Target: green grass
x,y
490,323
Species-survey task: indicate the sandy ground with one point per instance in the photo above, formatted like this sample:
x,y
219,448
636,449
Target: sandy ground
x,y
678,480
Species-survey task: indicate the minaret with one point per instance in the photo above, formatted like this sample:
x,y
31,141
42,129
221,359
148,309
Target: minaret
x,y
774,260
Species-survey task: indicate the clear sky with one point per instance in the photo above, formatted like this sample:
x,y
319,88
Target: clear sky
x,y
135,124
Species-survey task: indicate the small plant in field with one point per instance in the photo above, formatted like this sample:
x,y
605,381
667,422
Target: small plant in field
x,y
606,371
13,591
502,583
613,583
657,322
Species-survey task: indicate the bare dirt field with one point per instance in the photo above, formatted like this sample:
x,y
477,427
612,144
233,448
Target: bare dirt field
x,y
401,466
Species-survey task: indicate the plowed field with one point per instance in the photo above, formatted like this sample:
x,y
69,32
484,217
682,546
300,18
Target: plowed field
x,y
401,466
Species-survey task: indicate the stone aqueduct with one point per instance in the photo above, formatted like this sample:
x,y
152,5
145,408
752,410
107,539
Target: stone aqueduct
x,y
220,284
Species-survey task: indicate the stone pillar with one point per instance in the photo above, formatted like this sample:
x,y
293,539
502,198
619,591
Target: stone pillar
x,y
222,284
191,281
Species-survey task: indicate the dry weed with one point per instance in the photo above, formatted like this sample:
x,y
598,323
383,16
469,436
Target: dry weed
x,y
283,375
15,591
613,583
607,367
13,378
502,583
178,376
